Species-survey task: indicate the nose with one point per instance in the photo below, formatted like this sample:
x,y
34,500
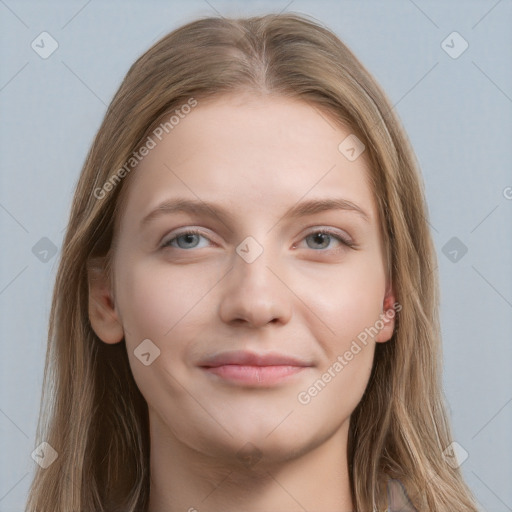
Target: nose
x,y
255,293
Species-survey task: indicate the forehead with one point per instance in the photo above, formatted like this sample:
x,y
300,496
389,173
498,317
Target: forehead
x,y
249,152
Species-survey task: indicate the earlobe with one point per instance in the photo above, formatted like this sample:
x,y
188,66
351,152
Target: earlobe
x,y
387,317
102,314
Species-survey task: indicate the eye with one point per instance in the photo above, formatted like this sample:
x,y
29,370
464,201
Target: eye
x,y
317,240
321,238
185,240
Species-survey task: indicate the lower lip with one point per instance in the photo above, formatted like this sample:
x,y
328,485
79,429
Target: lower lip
x,y
254,375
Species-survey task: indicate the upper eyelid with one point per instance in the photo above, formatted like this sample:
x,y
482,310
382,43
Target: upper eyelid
x,y
184,231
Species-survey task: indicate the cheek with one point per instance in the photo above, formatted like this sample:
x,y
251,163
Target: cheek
x,y
165,307
344,326
155,302
343,303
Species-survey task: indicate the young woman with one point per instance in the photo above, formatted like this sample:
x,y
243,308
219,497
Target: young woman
x,y
245,315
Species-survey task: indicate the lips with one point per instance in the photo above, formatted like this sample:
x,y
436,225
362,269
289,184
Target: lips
x,y
252,369
244,358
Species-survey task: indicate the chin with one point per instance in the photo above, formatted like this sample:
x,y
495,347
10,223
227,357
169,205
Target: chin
x,y
261,446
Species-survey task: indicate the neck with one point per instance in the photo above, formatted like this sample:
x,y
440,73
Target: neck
x,y
184,479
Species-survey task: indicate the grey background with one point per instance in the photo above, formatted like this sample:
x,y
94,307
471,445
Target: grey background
x,y
458,114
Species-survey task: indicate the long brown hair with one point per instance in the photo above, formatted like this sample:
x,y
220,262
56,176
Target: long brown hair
x,y
92,412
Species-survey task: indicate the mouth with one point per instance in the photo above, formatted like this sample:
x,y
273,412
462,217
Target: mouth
x,y
254,370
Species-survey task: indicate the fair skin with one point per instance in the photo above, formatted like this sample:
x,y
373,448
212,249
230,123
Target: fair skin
x,y
194,297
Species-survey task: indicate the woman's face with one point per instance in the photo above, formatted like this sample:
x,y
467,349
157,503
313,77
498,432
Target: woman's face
x,y
261,330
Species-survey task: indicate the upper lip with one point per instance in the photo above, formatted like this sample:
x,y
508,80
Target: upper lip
x,y
245,358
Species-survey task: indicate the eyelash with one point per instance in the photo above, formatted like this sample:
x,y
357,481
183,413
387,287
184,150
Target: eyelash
x,y
345,242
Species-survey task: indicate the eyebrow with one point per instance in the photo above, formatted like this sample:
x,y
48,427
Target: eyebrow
x,y
203,208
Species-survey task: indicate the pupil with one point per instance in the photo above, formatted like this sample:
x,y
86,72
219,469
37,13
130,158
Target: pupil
x,y
188,239
320,238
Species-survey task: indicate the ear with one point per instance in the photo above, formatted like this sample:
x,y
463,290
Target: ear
x,y
102,313
389,310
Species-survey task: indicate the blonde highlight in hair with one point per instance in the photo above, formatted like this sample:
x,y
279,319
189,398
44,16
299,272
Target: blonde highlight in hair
x,y
92,412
